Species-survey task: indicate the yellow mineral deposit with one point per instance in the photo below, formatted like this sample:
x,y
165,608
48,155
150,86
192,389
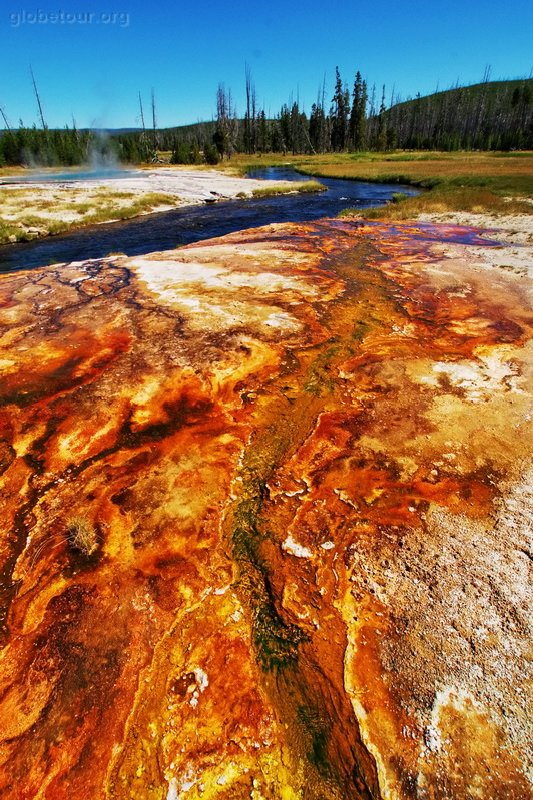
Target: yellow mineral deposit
x,y
264,506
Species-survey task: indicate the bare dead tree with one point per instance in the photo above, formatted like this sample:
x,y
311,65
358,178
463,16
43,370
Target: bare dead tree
x,y
249,117
226,122
142,114
254,119
154,120
38,98
6,123
482,105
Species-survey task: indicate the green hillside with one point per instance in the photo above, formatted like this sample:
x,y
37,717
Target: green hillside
x,y
495,115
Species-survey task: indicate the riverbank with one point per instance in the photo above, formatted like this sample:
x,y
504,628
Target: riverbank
x,y
495,182
37,209
491,191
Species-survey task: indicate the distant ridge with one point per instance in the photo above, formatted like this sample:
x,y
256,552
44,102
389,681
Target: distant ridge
x,y
489,115
489,88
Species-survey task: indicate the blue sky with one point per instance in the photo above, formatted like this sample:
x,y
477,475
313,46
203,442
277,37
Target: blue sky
x,y
93,70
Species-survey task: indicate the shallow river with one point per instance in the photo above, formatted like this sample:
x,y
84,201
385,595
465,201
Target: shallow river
x,y
167,230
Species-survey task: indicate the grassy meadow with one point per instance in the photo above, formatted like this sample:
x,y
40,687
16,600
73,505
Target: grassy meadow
x,y
494,183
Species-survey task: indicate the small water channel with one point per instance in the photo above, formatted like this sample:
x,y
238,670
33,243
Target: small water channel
x,y
170,229
103,173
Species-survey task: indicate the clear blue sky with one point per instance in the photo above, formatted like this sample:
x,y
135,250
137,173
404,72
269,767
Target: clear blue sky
x,y
94,69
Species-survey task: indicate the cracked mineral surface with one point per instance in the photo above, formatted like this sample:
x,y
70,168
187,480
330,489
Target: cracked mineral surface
x,y
297,461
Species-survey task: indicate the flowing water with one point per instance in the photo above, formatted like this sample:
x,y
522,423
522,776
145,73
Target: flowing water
x,y
167,230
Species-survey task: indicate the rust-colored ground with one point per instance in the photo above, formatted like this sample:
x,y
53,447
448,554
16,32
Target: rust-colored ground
x,y
299,459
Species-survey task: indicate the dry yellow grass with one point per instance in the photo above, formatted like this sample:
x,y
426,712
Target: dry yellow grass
x,y
419,165
439,201
82,535
464,181
30,212
423,166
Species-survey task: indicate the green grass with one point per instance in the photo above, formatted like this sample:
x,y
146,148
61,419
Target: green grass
x,y
110,212
9,232
303,187
446,199
106,191
104,207
458,181
397,197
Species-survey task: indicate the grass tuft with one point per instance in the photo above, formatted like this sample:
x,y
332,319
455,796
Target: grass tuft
x,y
300,187
398,197
82,535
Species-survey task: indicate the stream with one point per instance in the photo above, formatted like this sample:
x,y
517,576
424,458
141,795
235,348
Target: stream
x,y
170,229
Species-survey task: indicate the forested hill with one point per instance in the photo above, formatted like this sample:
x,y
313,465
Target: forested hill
x,y
496,115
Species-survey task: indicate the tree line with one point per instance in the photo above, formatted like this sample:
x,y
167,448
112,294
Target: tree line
x,y
492,115
495,115
488,116
38,147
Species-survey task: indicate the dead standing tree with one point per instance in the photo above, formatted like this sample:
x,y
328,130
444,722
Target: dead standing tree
x,y
154,128
226,126
250,118
39,104
6,122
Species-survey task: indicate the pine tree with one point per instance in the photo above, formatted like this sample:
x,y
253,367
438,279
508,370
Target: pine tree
x,y
317,128
263,133
339,115
358,114
285,128
381,143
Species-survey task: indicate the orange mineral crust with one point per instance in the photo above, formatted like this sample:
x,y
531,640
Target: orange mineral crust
x,y
266,520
